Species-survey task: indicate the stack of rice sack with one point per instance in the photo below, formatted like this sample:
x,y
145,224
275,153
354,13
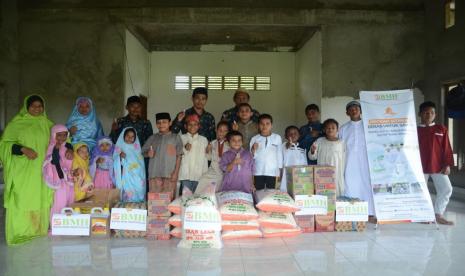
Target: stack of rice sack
x,y
347,226
130,233
238,215
300,183
275,215
325,184
175,220
158,214
201,221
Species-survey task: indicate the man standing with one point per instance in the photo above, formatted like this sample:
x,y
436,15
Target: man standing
x,y
230,115
436,158
357,172
207,121
133,119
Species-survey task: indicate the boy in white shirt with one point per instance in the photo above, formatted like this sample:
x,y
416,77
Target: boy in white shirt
x,y
194,162
266,148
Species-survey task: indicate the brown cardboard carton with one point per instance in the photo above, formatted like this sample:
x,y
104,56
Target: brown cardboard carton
x,y
324,174
306,223
299,180
159,237
325,223
331,195
159,196
102,198
347,226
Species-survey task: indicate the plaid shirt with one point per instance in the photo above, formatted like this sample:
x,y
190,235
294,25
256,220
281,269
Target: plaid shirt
x,y
230,115
143,128
207,124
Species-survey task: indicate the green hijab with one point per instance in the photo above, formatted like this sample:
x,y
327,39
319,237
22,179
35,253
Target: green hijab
x,y
24,184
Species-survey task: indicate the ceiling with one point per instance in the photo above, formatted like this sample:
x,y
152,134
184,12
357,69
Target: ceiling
x,y
239,37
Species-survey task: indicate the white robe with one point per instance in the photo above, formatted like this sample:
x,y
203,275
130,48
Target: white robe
x,y
331,153
357,172
292,156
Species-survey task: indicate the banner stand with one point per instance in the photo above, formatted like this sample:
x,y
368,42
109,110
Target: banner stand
x,y
400,192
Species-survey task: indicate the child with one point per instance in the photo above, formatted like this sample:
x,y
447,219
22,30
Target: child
x,y
215,151
194,162
293,154
128,165
101,165
357,172
237,165
330,151
245,126
164,150
310,132
267,153
436,158
82,179
57,169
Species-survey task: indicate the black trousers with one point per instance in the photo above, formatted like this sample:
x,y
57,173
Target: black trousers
x,y
262,181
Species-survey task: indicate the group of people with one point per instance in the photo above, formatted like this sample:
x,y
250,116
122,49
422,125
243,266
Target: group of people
x,y
240,153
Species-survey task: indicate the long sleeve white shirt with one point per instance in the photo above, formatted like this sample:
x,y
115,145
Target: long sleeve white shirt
x,y
269,154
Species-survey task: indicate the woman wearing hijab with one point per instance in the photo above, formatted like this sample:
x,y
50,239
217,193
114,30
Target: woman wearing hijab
x,y
129,167
83,123
27,199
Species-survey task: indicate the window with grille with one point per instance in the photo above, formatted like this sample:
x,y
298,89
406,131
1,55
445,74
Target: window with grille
x,y
223,82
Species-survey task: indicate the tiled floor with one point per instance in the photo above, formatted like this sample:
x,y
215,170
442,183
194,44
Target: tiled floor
x,y
411,249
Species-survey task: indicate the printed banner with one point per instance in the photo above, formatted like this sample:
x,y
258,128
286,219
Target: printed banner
x,y
70,225
399,188
351,211
128,219
311,205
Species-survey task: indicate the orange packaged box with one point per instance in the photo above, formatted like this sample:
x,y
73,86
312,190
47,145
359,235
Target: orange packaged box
x,y
306,223
325,223
159,196
324,174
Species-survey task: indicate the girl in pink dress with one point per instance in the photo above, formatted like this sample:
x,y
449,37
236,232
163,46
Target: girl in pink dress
x,y
101,164
57,169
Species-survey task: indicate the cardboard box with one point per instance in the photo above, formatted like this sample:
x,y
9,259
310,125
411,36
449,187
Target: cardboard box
x,y
158,212
158,202
159,196
70,224
103,198
300,180
325,223
348,226
306,223
324,174
331,195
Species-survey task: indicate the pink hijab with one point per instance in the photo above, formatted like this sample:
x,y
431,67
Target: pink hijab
x,y
49,170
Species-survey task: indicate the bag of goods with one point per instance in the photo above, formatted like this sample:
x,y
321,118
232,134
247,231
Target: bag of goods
x,y
243,234
201,223
239,225
130,233
237,206
276,201
276,220
175,221
272,233
175,206
176,232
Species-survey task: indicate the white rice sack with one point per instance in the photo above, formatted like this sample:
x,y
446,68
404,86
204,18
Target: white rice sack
x,y
201,223
276,201
237,206
236,225
276,220
243,234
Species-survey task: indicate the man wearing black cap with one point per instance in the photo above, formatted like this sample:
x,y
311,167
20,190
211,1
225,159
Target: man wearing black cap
x,y
207,121
143,127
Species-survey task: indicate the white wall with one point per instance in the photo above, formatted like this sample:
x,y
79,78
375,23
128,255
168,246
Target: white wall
x,y
280,102
308,77
137,68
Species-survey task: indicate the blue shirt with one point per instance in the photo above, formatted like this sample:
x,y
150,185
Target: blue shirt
x,y
306,140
